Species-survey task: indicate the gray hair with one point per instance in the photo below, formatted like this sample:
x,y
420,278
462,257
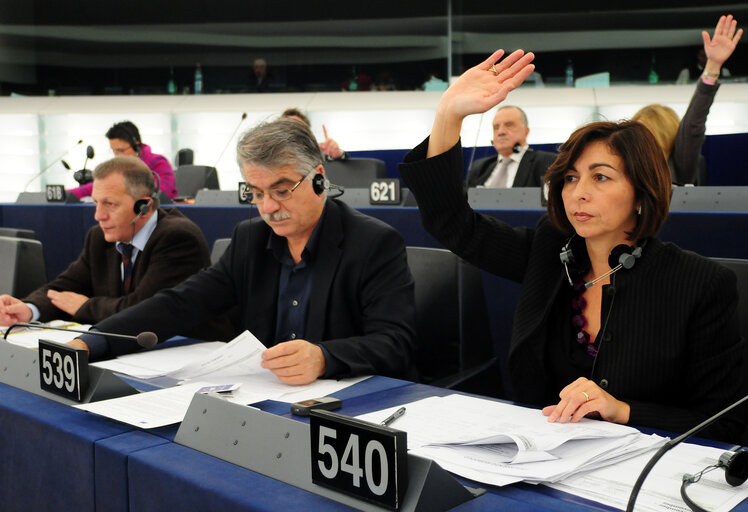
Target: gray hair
x,y
139,180
522,113
279,143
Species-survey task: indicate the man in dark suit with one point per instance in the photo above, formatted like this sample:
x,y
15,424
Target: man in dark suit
x,y
325,287
164,248
516,164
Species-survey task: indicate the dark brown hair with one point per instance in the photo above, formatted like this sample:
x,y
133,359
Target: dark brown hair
x,y
643,163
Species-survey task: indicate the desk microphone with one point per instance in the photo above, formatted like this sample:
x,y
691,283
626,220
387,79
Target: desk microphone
x,y
670,444
244,116
145,339
59,158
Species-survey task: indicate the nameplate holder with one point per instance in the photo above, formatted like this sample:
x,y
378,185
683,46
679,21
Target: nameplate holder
x,y
385,191
280,448
21,366
56,194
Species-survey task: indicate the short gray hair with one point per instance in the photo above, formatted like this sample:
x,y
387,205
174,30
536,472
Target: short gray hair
x,y
279,143
522,113
139,180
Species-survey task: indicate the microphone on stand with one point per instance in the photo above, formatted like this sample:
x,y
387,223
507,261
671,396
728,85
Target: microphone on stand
x,y
214,169
84,175
59,158
145,339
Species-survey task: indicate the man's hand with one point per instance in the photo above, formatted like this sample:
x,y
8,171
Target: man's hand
x,y
78,343
330,147
69,302
295,362
13,310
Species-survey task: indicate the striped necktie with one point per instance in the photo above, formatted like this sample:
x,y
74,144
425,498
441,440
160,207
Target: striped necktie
x,y
126,267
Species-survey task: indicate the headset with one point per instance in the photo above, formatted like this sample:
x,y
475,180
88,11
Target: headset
x,y
142,206
622,256
735,465
320,184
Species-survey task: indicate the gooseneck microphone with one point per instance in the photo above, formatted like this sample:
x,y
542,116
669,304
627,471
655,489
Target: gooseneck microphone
x,y
145,339
244,116
59,158
670,444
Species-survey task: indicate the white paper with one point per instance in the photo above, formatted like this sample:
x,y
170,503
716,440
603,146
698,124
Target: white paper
x,y
154,363
27,337
150,409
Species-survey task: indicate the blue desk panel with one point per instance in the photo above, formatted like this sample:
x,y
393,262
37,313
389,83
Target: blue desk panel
x,y
47,459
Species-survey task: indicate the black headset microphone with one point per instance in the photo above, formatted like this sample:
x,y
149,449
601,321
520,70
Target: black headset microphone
x,y
145,339
320,184
142,206
58,159
735,464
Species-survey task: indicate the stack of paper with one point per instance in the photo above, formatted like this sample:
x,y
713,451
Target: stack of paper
x,y
499,444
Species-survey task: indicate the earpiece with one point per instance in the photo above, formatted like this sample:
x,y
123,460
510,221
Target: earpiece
x,y
622,256
320,184
735,465
142,206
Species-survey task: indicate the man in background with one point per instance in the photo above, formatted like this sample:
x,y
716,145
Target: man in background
x,y
516,164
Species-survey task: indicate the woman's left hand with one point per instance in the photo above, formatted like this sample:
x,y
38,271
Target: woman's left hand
x,y
582,398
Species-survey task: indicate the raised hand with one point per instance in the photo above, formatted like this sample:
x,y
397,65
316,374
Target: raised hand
x,y
477,90
720,46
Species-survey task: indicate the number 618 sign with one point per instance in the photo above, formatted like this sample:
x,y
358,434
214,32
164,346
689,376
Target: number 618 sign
x,y
359,458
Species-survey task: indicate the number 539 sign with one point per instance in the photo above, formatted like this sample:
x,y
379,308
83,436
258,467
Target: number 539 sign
x,y
63,370
359,458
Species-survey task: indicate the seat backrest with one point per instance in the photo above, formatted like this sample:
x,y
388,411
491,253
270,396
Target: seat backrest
x,y
451,317
191,178
355,172
18,233
219,247
740,267
185,156
22,270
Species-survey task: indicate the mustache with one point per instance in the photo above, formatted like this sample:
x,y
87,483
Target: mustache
x,y
275,216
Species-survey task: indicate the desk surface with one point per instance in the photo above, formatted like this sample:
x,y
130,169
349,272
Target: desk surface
x,y
86,462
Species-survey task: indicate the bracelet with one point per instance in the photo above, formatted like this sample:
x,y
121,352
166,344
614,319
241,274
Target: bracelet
x,y
710,76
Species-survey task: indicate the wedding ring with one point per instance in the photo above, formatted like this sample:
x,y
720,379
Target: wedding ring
x,y
586,396
493,68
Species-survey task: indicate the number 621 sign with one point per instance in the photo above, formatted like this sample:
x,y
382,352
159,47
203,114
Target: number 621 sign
x,y
359,458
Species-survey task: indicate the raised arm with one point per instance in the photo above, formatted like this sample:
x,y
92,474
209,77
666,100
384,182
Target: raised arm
x,y
720,46
479,89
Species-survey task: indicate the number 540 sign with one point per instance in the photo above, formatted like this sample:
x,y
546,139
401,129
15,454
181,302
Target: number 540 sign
x,y
359,458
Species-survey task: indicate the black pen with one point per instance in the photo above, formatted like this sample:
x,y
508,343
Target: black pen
x,y
392,417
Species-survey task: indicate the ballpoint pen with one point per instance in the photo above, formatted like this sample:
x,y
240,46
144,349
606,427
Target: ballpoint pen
x,y
392,417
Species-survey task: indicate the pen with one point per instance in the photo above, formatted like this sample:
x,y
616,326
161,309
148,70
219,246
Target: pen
x,y
392,417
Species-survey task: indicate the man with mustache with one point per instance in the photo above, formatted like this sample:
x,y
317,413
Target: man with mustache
x,y
325,287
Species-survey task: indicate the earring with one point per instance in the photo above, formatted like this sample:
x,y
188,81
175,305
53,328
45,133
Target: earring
x,y
639,210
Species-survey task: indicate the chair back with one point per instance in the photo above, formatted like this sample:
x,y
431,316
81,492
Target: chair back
x,y
191,178
355,172
219,247
740,267
18,233
185,156
23,269
451,321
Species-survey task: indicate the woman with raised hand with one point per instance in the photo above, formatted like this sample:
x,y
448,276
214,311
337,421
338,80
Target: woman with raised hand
x,y
610,322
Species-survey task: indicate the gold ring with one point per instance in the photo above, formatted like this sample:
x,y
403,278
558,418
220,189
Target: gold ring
x,y
493,68
586,396
730,37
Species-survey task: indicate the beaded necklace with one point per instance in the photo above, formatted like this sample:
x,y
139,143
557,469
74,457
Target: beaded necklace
x,y
578,320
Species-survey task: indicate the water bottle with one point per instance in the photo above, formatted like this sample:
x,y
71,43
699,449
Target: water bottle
x,y
569,74
653,76
198,79
171,87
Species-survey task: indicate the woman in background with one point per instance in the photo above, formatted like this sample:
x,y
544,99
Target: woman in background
x,y
681,140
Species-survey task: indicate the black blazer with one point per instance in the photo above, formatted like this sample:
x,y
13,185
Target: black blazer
x,y
671,349
530,172
362,308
